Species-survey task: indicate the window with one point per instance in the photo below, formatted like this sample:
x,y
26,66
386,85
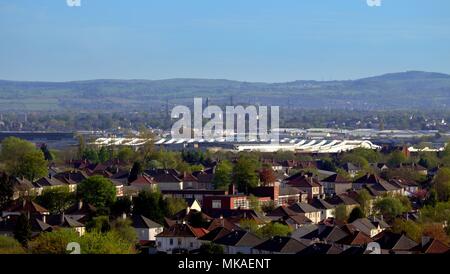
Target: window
x,y
179,241
192,244
171,242
216,204
240,203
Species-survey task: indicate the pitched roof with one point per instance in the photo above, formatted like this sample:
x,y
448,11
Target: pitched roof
x,y
48,181
143,180
27,206
393,241
302,181
282,211
434,246
321,204
342,199
140,221
239,238
336,178
222,222
215,234
279,244
320,248
182,230
303,208
357,238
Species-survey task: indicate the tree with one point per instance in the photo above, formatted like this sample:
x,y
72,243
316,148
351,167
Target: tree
x,y
389,207
357,213
99,224
396,158
372,156
150,204
197,220
122,227
125,154
412,229
22,158
254,203
267,176
223,176
174,205
47,154
6,190
135,171
22,230
56,200
121,205
340,213
364,199
441,184
103,155
91,155
428,160
9,245
244,173
273,229
54,242
328,164
435,231
98,191
34,166
211,249
249,225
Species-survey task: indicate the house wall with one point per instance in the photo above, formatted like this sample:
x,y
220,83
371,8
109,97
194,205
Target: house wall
x,y
148,234
167,244
170,185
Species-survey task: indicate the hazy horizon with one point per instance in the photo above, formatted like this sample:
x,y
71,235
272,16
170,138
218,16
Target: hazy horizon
x,y
253,40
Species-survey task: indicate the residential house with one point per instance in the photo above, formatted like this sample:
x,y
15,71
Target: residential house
x,y
393,243
351,169
179,238
327,209
371,227
410,187
306,183
336,184
279,245
198,194
312,213
146,229
343,200
321,249
377,186
238,242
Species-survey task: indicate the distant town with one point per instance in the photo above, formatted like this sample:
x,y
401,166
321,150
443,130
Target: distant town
x,y
316,191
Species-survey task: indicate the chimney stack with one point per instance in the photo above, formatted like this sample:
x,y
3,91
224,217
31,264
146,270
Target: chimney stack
x,y
231,189
80,204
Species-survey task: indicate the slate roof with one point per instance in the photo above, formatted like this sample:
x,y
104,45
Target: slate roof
x,y
239,238
215,234
182,230
303,208
320,248
279,244
47,181
396,242
321,204
140,221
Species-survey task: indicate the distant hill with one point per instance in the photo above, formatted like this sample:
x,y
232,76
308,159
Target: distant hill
x,y
404,90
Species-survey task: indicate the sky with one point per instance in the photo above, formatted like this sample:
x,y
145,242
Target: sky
x,y
247,40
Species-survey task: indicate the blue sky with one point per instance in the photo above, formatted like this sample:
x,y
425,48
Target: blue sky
x,y
251,40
